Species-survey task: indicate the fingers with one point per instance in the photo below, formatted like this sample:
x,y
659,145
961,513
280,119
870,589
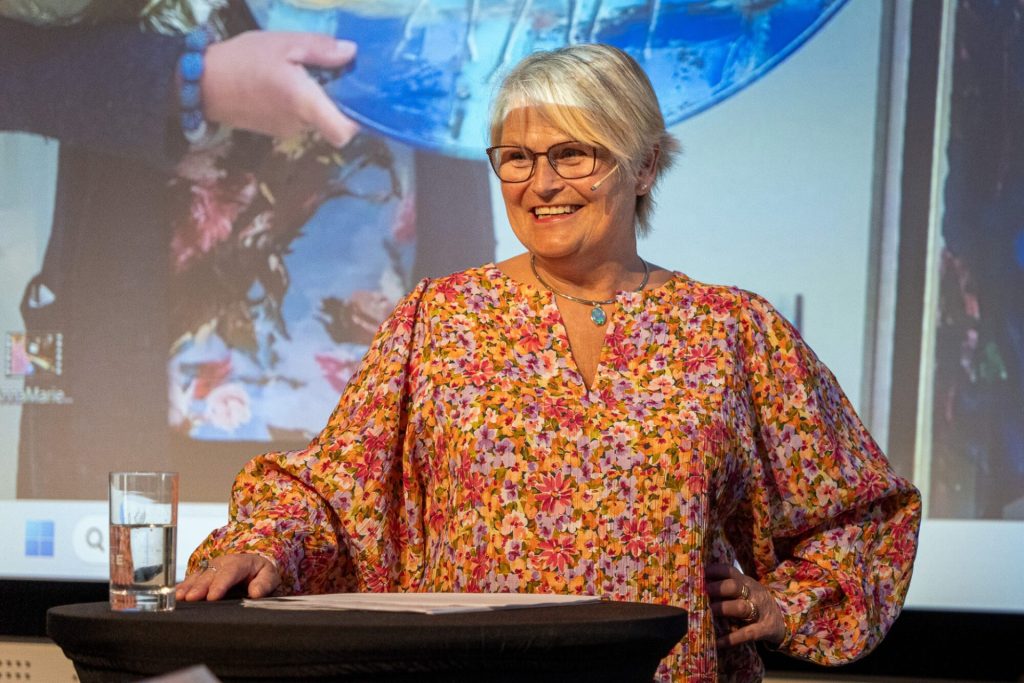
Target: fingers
x,y
210,583
727,589
324,117
220,574
315,49
258,81
719,571
319,112
724,581
745,634
746,603
740,609
265,582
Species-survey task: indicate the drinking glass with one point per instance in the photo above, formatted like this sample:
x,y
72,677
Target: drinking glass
x,y
143,534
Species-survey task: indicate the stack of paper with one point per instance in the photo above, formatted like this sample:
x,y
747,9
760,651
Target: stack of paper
x,y
423,603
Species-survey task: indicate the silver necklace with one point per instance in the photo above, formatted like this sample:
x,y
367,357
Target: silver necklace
x,y
597,314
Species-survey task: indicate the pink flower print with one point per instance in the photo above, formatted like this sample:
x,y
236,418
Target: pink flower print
x,y
337,371
478,372
513,550
529,342
211,215
477,303
554,493
485,438
637,536
209,376
474,485
509,491
557,553
447,290
436,519
532,363
514,525
227,407
716,303
505,453
702,357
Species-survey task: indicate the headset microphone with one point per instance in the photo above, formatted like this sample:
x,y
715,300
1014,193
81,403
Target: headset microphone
x,y
607,176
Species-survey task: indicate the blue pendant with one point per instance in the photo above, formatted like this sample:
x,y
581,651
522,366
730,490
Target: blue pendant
x,y
598,316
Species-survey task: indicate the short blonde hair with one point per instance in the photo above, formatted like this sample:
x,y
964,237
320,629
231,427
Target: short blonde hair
x,y
599,95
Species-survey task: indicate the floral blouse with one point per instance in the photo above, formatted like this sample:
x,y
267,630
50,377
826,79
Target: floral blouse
x,y
467,454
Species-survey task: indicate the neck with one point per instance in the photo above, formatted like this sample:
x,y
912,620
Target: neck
x,y
598,281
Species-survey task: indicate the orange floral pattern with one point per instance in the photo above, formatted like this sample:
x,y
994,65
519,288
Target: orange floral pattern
x,y
467,454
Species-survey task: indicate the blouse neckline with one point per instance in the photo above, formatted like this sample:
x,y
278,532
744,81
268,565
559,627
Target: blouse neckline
x,y
496,275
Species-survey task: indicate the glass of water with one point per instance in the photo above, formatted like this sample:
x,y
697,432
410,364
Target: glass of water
x,y
143,530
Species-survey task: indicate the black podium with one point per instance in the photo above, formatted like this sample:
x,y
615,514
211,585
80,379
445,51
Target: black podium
x,y
607,641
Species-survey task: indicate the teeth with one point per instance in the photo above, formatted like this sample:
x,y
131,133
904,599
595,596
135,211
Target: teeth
x,y
553,210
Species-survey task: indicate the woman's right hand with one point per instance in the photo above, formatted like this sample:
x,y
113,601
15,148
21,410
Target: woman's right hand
x,y
224,571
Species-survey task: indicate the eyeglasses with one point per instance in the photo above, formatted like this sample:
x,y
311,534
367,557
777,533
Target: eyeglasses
x,y
515,164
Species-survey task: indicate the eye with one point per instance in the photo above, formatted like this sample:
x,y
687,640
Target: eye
x,y
516,156
572,153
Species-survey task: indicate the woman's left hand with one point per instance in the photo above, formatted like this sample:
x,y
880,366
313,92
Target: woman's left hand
x,y
257,81
746,602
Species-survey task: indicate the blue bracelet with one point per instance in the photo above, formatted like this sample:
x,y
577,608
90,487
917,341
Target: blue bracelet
x,y
190,71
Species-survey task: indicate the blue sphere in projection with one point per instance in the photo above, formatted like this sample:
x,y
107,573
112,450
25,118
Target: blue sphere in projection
x,y
427,69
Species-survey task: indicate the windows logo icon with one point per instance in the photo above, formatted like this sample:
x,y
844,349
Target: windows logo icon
x,y
39,538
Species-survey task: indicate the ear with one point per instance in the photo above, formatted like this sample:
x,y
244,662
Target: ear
x,y
648,171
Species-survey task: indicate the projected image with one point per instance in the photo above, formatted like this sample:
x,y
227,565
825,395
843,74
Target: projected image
x,y
187,315
36,355
977,468
268,316
216,309
426,70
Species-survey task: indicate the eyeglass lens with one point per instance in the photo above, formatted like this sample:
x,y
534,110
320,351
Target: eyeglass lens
x,y
570,160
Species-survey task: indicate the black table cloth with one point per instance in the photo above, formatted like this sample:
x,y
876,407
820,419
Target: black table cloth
x,y
607,641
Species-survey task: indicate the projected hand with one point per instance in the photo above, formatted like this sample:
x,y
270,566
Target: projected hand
x,y
257,81
225,571
745,601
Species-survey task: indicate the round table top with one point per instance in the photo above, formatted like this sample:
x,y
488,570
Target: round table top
x,y
244,643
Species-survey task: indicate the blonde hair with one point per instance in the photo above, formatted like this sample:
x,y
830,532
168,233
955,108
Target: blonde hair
x,y
599,95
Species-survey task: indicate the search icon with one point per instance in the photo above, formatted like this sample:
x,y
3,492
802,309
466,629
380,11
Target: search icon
x,y
94,539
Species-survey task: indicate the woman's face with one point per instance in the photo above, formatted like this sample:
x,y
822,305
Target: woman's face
x,y
556,218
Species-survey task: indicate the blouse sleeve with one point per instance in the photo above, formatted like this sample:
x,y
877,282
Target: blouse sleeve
x,y
342,513
833,528
108,88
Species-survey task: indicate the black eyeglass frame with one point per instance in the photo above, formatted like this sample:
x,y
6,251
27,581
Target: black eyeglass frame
x,y
594,152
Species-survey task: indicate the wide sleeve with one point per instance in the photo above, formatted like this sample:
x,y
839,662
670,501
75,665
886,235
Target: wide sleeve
x,y
833,527
108,88
345,512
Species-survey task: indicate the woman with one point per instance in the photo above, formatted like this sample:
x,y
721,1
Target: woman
x,y
578,420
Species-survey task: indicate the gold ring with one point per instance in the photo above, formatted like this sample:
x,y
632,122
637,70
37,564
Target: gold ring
x,y
753,615
745,592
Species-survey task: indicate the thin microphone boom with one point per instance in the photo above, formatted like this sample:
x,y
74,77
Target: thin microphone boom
x,y
609,175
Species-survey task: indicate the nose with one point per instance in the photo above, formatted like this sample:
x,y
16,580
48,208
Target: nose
x,y
545,180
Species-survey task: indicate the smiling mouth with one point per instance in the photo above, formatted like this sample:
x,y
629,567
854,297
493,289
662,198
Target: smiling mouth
x,y
551,211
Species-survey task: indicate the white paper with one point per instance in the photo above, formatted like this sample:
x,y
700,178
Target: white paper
x,y
422,603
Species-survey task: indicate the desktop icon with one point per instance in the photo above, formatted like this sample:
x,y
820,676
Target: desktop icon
x,y
39,535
